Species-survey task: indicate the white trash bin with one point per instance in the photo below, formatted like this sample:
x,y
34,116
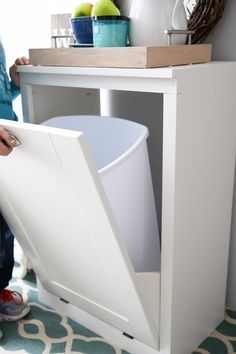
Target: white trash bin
x,y
119,149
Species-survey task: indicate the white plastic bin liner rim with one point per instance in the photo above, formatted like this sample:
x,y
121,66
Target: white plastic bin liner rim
x,y
123,135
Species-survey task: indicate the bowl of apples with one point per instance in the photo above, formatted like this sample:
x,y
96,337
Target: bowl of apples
x,y
100,24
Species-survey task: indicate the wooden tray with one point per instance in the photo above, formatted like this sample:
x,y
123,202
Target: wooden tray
x,y
122,57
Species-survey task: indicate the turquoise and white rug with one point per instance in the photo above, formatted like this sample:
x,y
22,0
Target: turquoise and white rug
x,y
44,331
223,339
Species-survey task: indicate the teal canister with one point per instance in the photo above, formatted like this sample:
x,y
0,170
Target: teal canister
x,y
110,31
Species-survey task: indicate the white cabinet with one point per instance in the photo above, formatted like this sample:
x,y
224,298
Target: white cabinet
x,y
199,139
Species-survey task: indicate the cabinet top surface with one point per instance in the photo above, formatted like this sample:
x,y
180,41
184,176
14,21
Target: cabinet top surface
x,y
166,72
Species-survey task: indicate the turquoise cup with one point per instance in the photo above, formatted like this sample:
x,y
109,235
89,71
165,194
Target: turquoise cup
x,y
110,31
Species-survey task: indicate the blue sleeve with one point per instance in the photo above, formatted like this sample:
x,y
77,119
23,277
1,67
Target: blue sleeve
x,y
15,90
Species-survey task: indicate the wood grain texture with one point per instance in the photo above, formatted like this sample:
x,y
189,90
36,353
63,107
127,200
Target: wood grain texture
x,y
122,57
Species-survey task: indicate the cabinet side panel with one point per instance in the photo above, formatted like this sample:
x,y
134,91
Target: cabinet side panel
x,y
199,170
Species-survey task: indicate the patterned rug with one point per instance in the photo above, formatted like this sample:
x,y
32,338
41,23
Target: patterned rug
x,y
45,331
223,339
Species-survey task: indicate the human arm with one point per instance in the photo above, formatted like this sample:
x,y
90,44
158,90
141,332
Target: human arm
x,y
7,142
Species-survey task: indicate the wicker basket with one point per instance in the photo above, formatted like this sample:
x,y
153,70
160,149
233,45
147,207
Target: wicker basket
x,y
204,17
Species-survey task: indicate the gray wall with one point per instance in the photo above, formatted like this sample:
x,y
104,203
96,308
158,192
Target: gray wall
x,y
223,36
223,40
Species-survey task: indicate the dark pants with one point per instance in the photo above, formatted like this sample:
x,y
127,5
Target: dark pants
x,y
6,253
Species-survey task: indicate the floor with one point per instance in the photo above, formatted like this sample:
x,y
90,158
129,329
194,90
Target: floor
x,y
45,331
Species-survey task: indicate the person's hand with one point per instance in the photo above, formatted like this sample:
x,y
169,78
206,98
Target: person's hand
x,y
14,75
7,142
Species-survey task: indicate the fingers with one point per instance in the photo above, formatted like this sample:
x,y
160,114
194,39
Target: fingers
x,y
7,142
22,61
5,150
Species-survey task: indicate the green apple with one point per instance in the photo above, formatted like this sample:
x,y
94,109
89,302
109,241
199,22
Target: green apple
x,y
105,8
82,9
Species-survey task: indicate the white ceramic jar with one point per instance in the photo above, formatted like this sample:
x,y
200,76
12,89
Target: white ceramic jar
x,y
150,19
